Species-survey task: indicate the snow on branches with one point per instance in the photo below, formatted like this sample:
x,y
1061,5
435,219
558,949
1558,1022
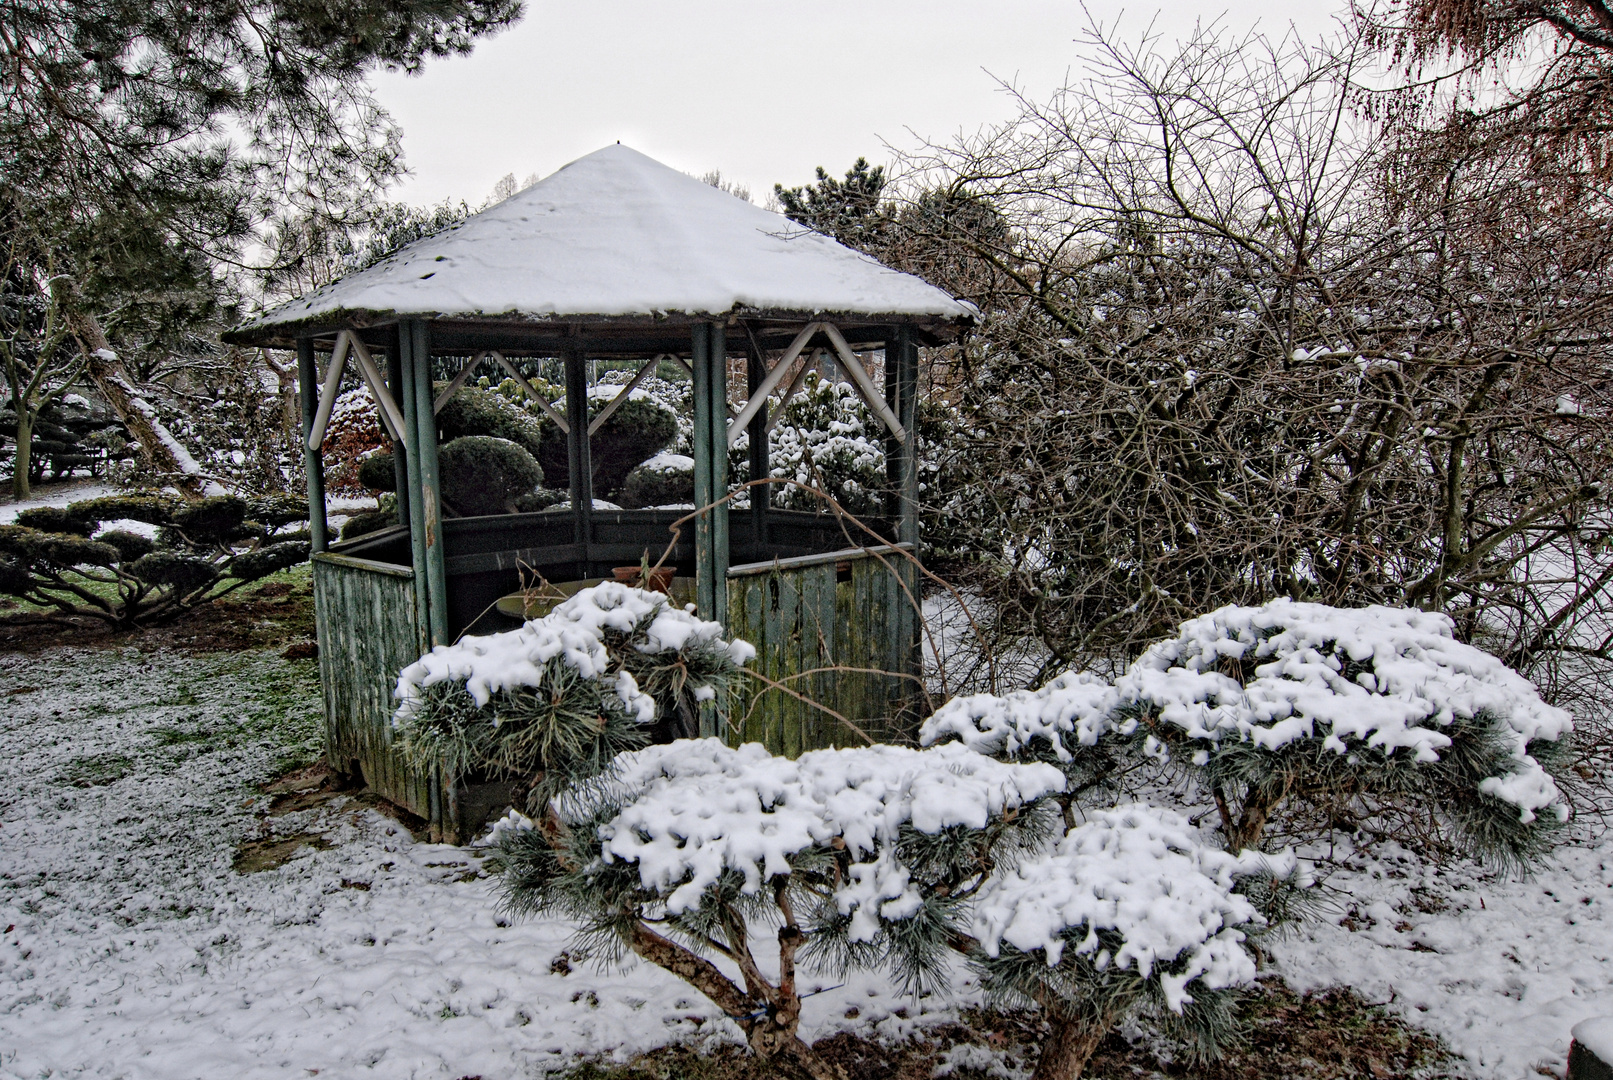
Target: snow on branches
x,y
557,698
1347,712
1140,874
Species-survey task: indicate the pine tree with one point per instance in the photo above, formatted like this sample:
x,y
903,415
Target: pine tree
x,y
848,210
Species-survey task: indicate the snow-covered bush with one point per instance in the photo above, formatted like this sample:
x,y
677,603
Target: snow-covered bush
x,y
186,553
1130,911
1375,716
353,432
554,701
862,857
828,439
664,480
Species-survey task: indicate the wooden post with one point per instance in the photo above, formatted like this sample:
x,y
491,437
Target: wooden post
x,y
760,497
410,494
906,410
705,448
395,387
430,483
717,343
313,460
709,362
907,644
581,465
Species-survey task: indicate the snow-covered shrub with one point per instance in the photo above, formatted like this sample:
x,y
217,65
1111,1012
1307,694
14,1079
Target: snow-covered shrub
x,y
63,559
1061,724
1290,709
829,439
1293,702
354,431
862,857
1130,911
664,480
554,701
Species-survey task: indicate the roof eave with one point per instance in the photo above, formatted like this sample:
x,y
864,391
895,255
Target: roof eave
x,y
934,329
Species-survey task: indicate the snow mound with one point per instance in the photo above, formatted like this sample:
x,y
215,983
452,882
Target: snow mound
x,y
1141,872
1379,677
699,809
1076,705
573,634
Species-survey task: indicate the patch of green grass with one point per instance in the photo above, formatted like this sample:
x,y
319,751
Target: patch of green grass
x,y
95,770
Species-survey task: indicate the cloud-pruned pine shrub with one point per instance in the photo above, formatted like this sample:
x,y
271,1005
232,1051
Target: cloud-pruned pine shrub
x,y
1129,912
483,474
664,480
554,701
683,851
65,559
1298,712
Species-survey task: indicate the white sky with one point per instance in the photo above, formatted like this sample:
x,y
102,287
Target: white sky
x,y
763,92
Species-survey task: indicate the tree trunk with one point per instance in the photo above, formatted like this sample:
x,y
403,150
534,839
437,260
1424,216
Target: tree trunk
x,y
1069,1046
160,449
20,489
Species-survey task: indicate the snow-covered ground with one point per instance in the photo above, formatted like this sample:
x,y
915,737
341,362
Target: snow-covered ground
x,y
132,948
1502,969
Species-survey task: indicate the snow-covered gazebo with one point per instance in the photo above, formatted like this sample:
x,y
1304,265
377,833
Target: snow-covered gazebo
x,y
615,256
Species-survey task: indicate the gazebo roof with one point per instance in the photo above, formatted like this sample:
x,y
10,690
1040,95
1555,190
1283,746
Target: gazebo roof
x,y
616,238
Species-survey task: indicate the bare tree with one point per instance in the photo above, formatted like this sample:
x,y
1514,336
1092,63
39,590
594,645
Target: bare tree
x,y
1238,344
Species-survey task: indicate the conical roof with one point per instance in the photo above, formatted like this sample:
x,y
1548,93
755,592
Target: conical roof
x,y
611,235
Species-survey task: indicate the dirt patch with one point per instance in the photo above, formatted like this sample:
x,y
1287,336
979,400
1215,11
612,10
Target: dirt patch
x,y
1328,1036
278,611
255,856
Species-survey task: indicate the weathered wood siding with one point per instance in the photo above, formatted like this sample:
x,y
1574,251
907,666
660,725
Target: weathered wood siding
x,y
849,609
365,612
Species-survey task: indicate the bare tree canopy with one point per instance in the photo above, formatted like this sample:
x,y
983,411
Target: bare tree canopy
x,y
1231,353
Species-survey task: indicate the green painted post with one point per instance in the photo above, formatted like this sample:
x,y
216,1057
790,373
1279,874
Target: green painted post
x,y
578,457
704,451
717,348
411,494
907,370
760,497
430,483
313,460
400,464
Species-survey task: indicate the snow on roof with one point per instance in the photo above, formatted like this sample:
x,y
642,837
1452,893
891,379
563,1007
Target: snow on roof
x,y
617,233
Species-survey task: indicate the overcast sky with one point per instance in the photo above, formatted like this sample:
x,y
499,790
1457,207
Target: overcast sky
x,y
762,91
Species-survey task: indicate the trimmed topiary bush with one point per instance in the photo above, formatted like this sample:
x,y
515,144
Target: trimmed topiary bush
x,y
204,549
664,480
477,411
637,430
1312,716
377,472
483,475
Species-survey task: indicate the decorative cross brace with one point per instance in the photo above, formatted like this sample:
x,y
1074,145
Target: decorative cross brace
x,y
391,417
848,363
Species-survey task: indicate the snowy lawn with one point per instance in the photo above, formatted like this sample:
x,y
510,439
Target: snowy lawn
x,y
132,947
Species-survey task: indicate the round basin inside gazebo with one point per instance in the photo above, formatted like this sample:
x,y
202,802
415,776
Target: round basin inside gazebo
x,y
616,257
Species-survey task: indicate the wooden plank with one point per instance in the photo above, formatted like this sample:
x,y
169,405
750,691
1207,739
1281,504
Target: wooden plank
x,y
801,561
367,635
371,565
